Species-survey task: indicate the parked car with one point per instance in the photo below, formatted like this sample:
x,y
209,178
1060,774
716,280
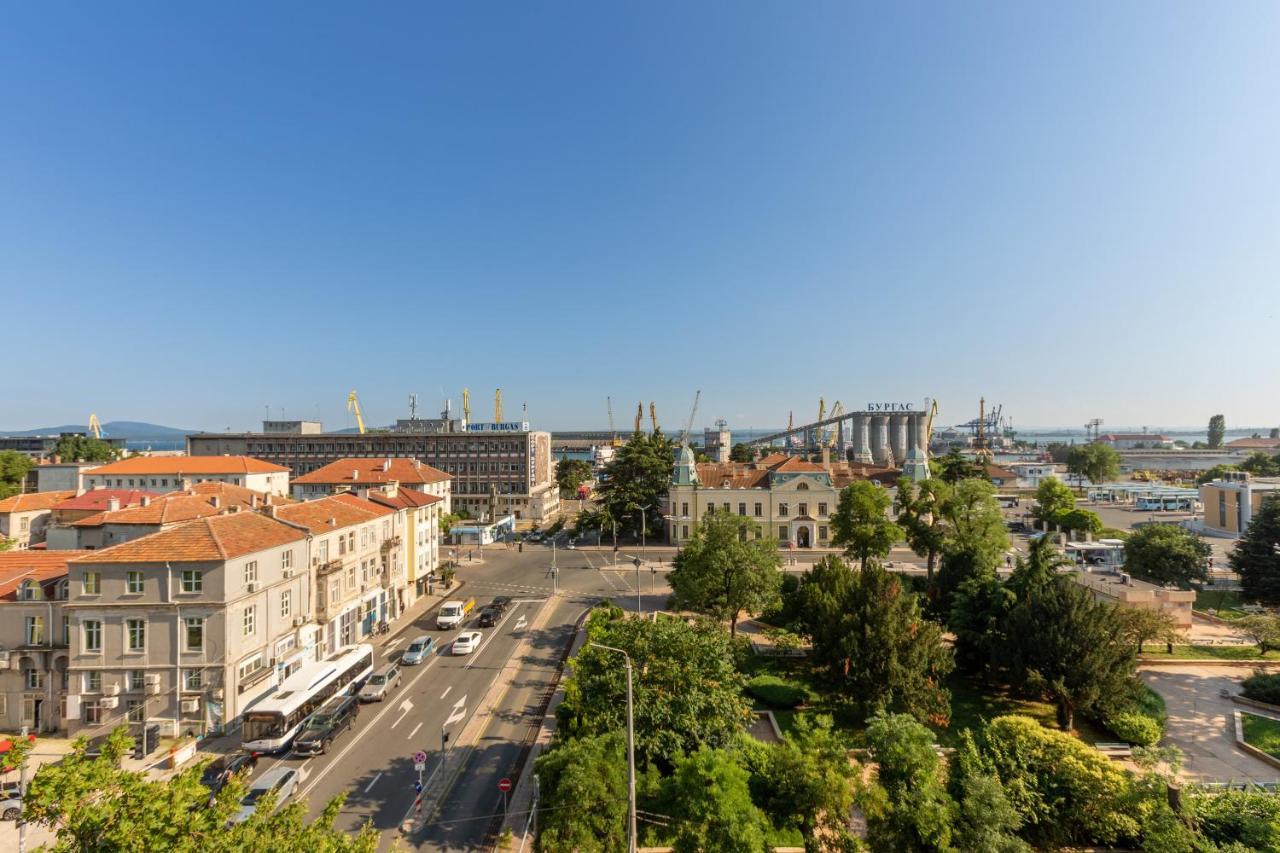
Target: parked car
x,y
419,650
334,717
467,642
282,780
502,602
380,684
217,774
489,617
10,803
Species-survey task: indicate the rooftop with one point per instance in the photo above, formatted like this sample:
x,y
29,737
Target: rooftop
x,y
405,498
325,514
202,499
33,501
374,471
212,539
145,465
1254,444
99,500
43,566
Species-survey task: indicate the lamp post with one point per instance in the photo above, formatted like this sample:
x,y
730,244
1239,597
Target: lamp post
x,y
631,753
639,607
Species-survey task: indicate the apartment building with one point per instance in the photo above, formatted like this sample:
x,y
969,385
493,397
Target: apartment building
x,y
422,524
361,475
168,473
186,627
61,535
24,517
33,639
1230,502
356,562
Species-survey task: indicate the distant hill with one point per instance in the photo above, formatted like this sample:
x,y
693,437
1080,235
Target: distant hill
x,y
133,431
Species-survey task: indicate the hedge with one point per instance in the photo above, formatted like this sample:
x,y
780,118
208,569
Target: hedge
x,y
1139,719
777,692
1262,687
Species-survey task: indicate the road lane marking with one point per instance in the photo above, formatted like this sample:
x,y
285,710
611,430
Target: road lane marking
x,y
415,731
496,630
373,781
446,691
459,711
392,644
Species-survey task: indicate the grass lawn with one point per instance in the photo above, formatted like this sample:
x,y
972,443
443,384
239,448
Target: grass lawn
x,y
1225,603
972,702
1246,653
1262,733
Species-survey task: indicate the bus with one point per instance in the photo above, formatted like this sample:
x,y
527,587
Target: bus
x,y
272,724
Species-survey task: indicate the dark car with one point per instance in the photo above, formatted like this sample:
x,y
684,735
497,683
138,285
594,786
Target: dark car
x,y
502,602
334,717
222,769
489,617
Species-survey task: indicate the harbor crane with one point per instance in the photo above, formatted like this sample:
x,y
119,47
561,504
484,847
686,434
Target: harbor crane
x,y
95,426
688,427
353,406
497,406
928,424
466,405
613,431
639,415
1093,428
653,416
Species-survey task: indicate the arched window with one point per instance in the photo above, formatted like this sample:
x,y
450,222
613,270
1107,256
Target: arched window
x,y
61,591
802,487
30,591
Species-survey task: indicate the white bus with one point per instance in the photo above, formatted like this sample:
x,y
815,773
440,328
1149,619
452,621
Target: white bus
x,y
272,724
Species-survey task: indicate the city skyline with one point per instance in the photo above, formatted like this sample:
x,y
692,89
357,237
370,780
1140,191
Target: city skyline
x,y
1068,211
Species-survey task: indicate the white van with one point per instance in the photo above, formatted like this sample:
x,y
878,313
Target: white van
x,y
453,612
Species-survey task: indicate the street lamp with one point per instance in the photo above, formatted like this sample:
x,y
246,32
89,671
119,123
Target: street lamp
x,y
639,608
643,510
631,753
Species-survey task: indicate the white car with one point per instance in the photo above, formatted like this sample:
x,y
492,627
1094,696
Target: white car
x,y
467,642
283,779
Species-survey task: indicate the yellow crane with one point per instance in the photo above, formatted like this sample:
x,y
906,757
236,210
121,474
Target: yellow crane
x,y
837,409
497,406
95,426
613,431
466,405
639,415
353,406
653,416
928,424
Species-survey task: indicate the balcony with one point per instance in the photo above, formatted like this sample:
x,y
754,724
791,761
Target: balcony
x,y
328,568
389,543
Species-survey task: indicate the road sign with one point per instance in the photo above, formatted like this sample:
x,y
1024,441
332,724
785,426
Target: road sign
x,y
504,785
419,757
418,767
417,787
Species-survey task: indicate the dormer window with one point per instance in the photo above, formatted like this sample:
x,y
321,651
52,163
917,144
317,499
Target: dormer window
x,y
802,487
30,591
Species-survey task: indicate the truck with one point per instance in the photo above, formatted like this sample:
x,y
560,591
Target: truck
x,y
453,612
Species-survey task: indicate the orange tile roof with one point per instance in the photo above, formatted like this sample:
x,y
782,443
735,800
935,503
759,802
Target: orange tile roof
x,y
325,514
383,469
33,501
405,498
796,465
189,465
99,499
230,493
43,566
747,475
176,507
1259,443
212,539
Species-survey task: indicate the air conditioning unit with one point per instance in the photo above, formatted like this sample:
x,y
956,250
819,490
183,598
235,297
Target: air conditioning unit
x,y
251,587
112,689
153,687
4,658
288,573
15,661
299,621
152,678
109,702
190,706
216,693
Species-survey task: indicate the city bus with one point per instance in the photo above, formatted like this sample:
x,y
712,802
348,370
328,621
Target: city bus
x,y
272,724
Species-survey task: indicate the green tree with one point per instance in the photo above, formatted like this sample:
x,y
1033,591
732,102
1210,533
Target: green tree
x,y
810,783
1095,462
869,634
81,448
908,808
1167,553
1041,566
974,521
1079,521
984,818
724,569
921,518
742,453
1148,626
583,782
95,804
959,566
1262,628
1217,431
1256,557
978,612
13,471
1214,473
1247,818
955,467
1053,497
1064,645
861,524
687,690
570,474
712,805
1058,451
1260,464
639,475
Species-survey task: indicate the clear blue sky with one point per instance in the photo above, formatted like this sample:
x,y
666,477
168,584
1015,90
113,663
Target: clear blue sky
x,y
1073,210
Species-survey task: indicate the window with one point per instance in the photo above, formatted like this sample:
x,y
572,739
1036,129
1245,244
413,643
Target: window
x,y
195,633
34,679
726,506
782,533
135,711
759,510
342,545
192,679
802,487
822,510
93,712
364,537
684,509
133,583
286,560
24,524
250,620
804,509
251,572
92,682
250,666
286,604
135,635
29,591
335,592
324,550
783,509
35,630
364,571
92,635
136,680
192,581
822,531
742,509
351,578
684,531
93,583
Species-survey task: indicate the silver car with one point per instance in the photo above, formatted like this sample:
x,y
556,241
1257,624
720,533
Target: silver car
x,y
283,780
380,684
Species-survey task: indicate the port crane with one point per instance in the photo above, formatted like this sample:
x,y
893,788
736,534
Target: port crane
x,y
639,415
653,416
353,406
466,406
95,426
688,427
497,406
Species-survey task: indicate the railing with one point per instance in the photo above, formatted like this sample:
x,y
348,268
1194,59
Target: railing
x,y
329,567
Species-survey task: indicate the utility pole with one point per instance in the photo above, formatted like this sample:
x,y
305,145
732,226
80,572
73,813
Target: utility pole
x,y
631,752
639,608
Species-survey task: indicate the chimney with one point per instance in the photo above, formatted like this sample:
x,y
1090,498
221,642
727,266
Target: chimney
x,y
355,474
270,510
392,488
253,501
146,500
333,522
215,501
386,465
113,504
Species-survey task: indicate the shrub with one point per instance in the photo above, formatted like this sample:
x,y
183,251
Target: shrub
x,y
777,692
1262,687
1134,727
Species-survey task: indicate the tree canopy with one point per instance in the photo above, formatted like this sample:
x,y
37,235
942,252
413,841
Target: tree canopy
x,y
712,805
1167,553
82,448
911,810
861,523
742,453
1053,498
955,467
1095,462
921,517
1217,431
810,782
583,782
724,569
570,474
639,475
1256,556
13,470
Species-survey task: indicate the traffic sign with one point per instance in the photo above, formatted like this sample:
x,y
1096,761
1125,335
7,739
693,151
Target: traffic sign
x,y
417,787
419,757
504,785
418,767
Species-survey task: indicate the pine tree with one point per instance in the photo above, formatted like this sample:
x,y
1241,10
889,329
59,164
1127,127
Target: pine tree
x,y
1257,555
